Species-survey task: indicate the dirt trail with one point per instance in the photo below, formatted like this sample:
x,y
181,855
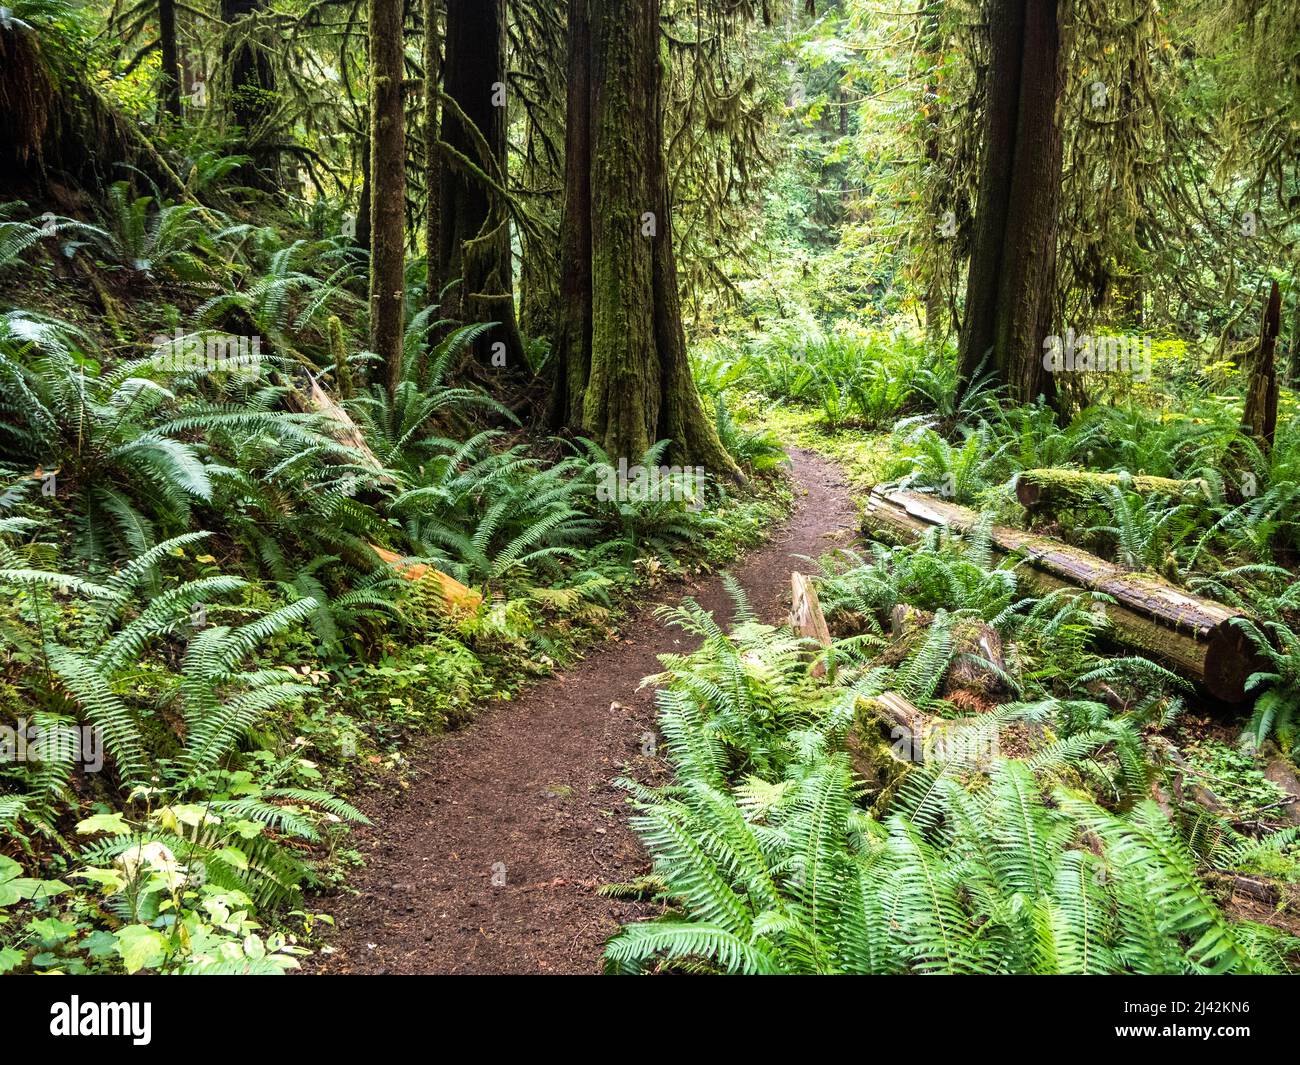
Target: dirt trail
x,y
524,796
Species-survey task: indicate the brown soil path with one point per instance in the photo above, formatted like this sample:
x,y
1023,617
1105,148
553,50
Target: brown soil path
x,y
490,861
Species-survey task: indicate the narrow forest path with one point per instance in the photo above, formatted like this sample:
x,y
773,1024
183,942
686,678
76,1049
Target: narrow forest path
x,y
524,796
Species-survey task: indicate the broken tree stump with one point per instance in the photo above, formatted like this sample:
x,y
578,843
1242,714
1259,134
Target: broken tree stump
x,y
979,663
806,617
315,400
1193,635
914,736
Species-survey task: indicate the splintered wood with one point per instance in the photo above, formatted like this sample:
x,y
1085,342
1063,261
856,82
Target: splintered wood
x,y
806,618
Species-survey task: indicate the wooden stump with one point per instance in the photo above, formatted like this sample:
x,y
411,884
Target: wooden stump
x,y
806,618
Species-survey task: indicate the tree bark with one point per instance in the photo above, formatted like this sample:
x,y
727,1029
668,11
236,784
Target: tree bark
x,y
1012,277
1260,419
252,89
432,155
571,345
474,237
622,374
931,54
387,187
169,87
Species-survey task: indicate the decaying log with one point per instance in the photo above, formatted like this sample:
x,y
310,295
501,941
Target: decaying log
x,y
909,725
978,661
914,735
1051,489
1192,635
453,592
883,742
806,617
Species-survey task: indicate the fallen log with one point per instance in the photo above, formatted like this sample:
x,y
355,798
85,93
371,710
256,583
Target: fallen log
x,y
1192,635
453,592
1051,489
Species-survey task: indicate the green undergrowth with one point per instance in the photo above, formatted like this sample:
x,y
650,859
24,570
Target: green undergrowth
x,y
1018,831
205,658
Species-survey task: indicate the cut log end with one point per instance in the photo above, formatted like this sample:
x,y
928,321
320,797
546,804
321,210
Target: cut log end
x,y
1230,659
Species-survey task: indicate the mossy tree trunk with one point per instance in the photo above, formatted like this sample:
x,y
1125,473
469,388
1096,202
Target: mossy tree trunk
x,y
169,87
474,231
622,375
537,265
1012,278
432,157
252,93
931,54
1260,415
387,187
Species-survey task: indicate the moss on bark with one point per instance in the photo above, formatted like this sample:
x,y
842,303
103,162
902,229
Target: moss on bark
x,y
622,374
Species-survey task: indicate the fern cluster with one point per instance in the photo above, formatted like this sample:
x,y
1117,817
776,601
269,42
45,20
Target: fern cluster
x,y
769,861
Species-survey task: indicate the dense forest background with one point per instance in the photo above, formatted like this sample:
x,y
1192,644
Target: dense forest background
x,y
363,363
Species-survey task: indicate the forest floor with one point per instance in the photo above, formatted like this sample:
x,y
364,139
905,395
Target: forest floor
x,y
490,861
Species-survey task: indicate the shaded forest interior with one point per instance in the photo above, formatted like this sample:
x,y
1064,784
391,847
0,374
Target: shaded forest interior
x,y
363,363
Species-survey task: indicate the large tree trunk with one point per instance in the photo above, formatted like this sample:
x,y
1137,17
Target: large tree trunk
x,y
169,86
623,378
252,90
931,54
571,348
1012,275
474,237
537,267
432,156
387,187
1260,417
